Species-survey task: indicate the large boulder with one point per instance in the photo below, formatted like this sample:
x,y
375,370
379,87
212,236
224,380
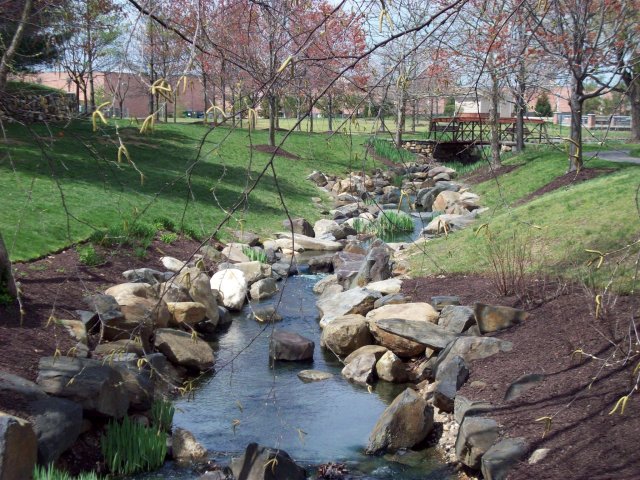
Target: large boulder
x,y
186,313
376,350
302,242
345,334
172,264
474,348
123,290
329,229
200,291
502,457
263,463
117,348
290,346
144,275
97,387
405,311
361,369
475,437
105,309
264,288
299,226
140,316
57,422
356,300
253,271
446,223
424,333
234,252
445,200
456,319
463,407
405,423
492,318
386,287
450,376
391,369
184,350
139,387
232,286
18,448
185,447
426,196
376,266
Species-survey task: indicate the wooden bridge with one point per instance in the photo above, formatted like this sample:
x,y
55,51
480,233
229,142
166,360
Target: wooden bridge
x,y
476,129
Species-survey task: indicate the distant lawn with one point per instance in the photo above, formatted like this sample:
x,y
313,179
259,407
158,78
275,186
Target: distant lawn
x,y
38,168
599,214
27,87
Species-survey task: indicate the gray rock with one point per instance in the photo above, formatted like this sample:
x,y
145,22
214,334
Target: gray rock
x,y
391,299
96,387
304,242
263,463
346,334
253,271
299,226
450,377
184,350
404,423
502,457
376,350
474,348
290,346
284,269
456,319
376,266
172,292
185,447
105,307
441,301
391,369
117,347
426,196
264,288
18,448
321,264
492,318
463,407
323,283
422,332
356,300
314,375
139,387
360,370
522,384
475,437
247,238
264,313
144,275
57,422
200,291
224,317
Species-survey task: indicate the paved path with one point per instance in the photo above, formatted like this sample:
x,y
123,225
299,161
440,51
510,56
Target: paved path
x,y
614,156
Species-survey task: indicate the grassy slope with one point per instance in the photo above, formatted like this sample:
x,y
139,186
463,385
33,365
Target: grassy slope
x,y
599,214
99,192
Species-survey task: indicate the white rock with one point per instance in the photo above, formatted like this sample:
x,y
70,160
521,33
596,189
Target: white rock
x,y
172,264
232,286
385,287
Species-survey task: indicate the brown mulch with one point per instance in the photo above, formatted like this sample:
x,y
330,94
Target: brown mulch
x,y
566,180
488,172
585,441
281,152
54,287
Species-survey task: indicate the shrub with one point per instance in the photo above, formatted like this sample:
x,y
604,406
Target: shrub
x,y
168,238
510,257
255,254
129,447
190,232
162,411
88,256
51,473
388,150
163,223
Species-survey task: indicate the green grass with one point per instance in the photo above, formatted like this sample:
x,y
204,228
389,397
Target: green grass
x,y
27,88
635,152
100,194
52,473
599,214
388,150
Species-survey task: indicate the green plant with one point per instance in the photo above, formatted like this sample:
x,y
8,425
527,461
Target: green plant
x,y
162,411
52,473
190,232
164,223
168,238
87,255
129,447
464,168
390,222
386,149
255,254
360,225
140,252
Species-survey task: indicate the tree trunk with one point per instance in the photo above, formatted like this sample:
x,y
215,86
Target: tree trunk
x,y
400,117
92,91
414,113
7,283
330,112
633,95
494,119
273,105
575,147
298,113
521,107
277,113
7,56
310,115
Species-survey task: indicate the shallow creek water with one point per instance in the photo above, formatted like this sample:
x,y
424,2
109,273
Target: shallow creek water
x,y
327,421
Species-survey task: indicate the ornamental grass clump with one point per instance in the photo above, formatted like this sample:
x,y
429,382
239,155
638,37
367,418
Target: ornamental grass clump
x,y
162,412
130,447
391,222
50,472
255,255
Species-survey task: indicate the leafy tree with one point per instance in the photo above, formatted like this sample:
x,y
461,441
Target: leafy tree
x,y
450,106
543,106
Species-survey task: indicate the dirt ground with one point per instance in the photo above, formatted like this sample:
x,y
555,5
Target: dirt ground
x,y
578,392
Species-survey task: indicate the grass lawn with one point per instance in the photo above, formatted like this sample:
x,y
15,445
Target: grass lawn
x,y
598,214
40,168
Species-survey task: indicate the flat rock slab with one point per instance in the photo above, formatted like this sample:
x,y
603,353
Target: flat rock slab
x,y
314,375
492,318
18,448
423,332
297,241
502,457
184,350
356,300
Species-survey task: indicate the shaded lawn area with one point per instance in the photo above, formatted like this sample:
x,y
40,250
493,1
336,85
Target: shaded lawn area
x,y
60,184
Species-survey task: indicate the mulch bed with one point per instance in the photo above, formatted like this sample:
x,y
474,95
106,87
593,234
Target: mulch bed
x,y
585,441
54,287
565,180
281,152
488,172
